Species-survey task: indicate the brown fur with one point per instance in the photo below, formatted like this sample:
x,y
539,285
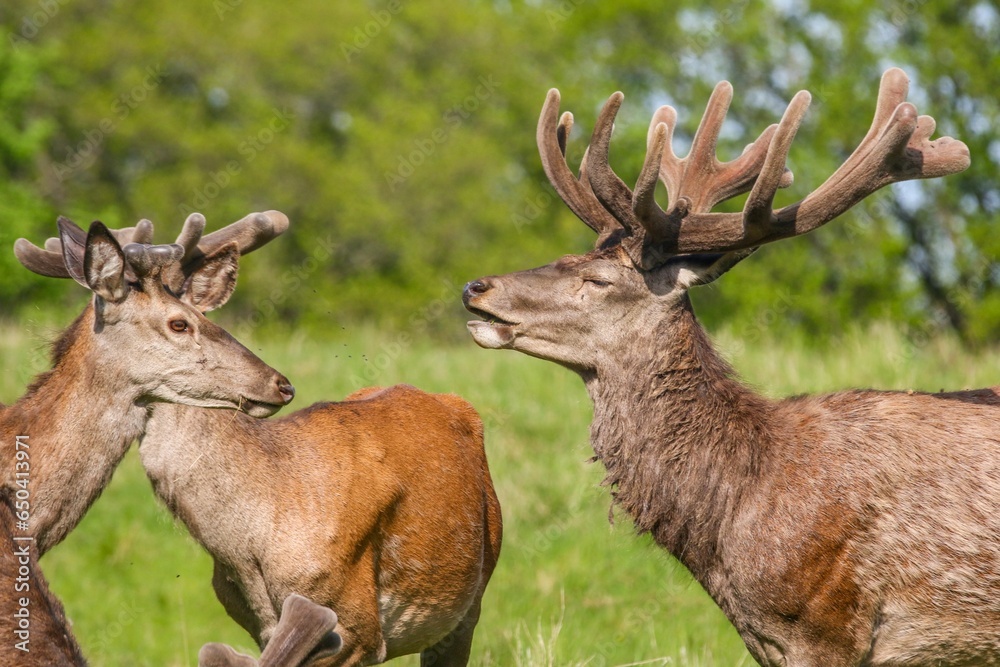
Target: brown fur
x,y
50,640
380,507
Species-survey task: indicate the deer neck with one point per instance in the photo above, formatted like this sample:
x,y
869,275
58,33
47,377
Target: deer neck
x,y
209,467
679,437
78,421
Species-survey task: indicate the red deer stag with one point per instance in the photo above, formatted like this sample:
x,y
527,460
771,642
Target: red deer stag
x,y
133,346
385,510
858,528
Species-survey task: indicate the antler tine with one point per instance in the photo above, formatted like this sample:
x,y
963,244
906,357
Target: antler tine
x,y
671,166
654,220
612,192
141,233
700,178
303,626
701,161
47,262
552,136
249,233
757,211
194,227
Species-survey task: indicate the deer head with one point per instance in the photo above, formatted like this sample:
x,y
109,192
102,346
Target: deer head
x,y
186,358
585,311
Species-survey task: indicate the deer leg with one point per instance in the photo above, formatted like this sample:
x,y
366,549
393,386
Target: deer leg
x,y
455,648
355,599
259,621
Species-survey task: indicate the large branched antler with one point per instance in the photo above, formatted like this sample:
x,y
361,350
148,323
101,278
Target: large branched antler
x,y
896,148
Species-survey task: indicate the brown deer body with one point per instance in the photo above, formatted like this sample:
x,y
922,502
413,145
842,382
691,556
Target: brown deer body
x,y
380,507
859,528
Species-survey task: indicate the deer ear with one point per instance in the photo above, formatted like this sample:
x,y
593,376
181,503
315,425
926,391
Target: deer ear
x,y
72,245
103,263
703,269
212,283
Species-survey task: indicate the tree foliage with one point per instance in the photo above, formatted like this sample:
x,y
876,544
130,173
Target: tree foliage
x,y
399,138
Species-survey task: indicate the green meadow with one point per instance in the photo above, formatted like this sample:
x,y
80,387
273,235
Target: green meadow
x,y
570,589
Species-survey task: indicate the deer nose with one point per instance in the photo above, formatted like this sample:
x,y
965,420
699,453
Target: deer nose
x,y
285,389
475,288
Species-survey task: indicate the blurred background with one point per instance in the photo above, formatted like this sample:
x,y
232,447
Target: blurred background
x,y
399,138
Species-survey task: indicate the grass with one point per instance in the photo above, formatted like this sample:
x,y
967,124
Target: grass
x,y
570,589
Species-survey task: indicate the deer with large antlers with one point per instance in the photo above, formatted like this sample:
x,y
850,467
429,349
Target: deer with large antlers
x,y
380,507
858,528
135,345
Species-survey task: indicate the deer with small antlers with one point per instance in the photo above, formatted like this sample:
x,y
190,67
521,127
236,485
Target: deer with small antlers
x,y
380,507
133,346
857,528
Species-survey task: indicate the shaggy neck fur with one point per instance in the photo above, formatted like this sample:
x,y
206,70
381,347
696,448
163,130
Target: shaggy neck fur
x,y
679,436
80,419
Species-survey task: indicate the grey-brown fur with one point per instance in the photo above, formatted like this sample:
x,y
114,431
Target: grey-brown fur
x,y
117,359
854,529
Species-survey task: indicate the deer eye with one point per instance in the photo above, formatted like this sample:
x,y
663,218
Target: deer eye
x,y
180,326
598,282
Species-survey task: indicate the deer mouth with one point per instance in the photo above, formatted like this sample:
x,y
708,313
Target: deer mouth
x,y
491,332
258,409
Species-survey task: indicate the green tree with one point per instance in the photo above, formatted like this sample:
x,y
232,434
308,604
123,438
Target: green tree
x,y
399,138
